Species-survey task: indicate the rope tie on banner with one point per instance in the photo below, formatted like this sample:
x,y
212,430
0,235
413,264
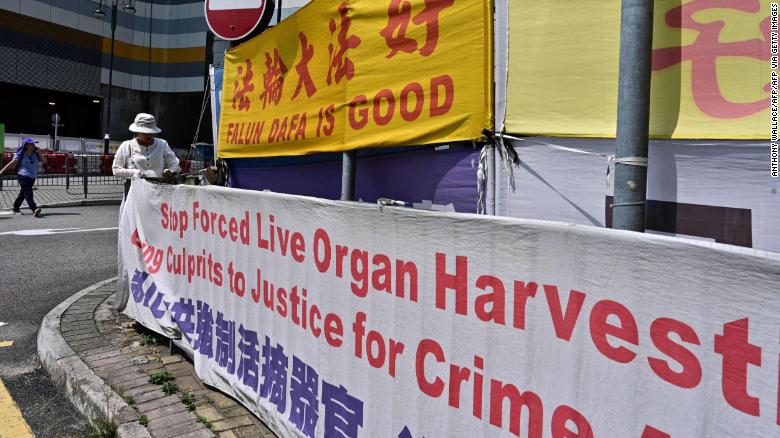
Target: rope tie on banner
x,y
508,154
631,161
554,146
611,159
482,171
627,204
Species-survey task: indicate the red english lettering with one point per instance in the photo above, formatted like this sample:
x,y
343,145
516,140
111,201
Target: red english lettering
x,y
321,250
379,118
456,282
600,328
358,264
565,414
495,299
419,96
356,123
424,348
334,330
164,212
738,353
458,375
441,108
404,270
651,432
690,376
563,324
523,291
330,120
297,247
499,392
230,133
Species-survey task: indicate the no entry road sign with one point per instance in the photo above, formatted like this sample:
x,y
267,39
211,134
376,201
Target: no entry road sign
x,y
235,19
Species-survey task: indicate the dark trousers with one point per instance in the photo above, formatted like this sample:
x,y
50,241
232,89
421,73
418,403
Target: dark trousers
x,y
26,192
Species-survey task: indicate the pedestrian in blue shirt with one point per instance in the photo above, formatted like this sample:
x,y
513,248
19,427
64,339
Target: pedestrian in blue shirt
x,y
26,161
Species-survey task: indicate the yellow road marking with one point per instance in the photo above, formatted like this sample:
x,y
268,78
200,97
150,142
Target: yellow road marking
x,y
6,343
13,424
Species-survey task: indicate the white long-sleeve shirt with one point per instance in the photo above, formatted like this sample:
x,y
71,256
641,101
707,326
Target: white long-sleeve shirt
x,y
133,159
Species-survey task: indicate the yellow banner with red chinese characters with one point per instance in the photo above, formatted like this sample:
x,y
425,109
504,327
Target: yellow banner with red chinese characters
x,y
342,75
710,79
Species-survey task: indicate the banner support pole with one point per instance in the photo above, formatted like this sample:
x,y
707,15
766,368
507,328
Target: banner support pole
x,y
348,160
633,118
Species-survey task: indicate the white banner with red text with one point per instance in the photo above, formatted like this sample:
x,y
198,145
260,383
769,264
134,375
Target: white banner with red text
x,y
340,319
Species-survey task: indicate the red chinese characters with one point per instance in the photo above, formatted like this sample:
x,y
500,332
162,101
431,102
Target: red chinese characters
x,y
707,49
302,67
340,65
243,86
399,14
273,79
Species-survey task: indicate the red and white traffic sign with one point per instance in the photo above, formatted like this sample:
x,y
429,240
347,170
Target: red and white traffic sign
x,y
235,19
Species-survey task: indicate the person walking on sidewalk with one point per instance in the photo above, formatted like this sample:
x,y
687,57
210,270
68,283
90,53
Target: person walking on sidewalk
x,y
145,155
26,161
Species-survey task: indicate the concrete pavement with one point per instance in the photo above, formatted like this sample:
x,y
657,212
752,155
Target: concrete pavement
x,y
107,365
43,261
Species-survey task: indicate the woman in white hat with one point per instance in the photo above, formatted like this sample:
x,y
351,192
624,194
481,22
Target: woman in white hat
x,y
145,155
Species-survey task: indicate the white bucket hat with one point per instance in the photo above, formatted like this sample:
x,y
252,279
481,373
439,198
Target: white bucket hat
x,y
145,123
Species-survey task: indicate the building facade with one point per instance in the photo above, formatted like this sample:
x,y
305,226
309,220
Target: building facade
x,y
55,57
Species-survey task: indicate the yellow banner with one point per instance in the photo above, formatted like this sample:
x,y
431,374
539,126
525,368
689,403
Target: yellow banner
x,y
710,77
342,75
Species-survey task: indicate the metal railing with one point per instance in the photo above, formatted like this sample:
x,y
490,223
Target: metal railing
x,y
79,172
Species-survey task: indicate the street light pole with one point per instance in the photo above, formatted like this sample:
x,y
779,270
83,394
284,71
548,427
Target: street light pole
x,y
130,9
107,137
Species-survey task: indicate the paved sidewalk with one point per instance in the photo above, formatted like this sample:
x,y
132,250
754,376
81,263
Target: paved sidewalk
x,y
124,358
48,196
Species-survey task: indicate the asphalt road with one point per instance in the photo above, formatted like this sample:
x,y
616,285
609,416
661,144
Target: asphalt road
x,y
43,261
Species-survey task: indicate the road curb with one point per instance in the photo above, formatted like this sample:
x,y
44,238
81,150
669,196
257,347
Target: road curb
x,y
84,203
88,392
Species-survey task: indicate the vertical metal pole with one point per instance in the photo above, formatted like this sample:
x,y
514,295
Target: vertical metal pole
x,y
84,170
107,136
633,119
67,175
149,54
348,160
279,12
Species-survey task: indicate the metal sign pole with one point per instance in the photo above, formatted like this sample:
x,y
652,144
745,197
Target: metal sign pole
x,y
636,35
85,172
348,160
